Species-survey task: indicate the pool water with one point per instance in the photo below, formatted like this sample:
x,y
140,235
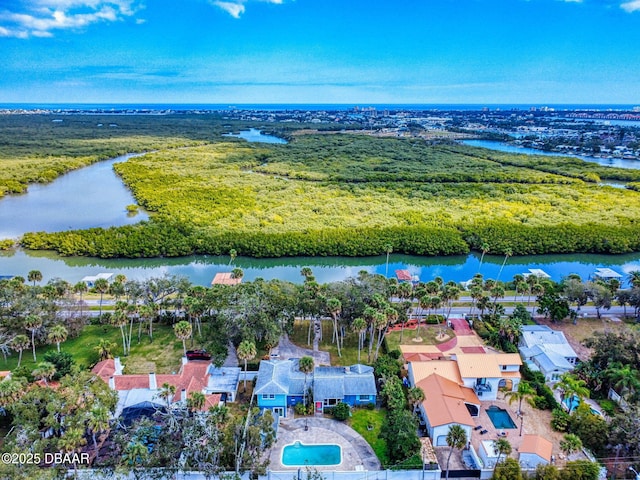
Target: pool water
x,y
572,403
500,417
298,454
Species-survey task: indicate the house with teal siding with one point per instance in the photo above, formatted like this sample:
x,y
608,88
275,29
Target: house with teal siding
x,y
280,384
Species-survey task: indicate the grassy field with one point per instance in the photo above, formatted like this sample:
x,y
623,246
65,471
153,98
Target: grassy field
x,y
161,356
428,335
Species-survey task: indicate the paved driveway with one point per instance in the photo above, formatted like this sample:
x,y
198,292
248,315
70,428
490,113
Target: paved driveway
x,y
286,349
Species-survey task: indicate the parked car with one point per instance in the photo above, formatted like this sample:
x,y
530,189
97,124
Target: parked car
x,y
198,355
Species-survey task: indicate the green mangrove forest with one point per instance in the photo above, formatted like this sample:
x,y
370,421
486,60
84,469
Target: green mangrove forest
x,y
320,194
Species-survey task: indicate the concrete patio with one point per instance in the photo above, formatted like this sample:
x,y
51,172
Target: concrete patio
x,y
356,452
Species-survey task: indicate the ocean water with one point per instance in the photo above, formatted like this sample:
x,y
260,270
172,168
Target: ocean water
x,y
305,107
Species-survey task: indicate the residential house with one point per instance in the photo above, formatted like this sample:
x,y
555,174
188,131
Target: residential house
x,y
487,372
447,403
547,351
280,384
145,389
90,280
534,450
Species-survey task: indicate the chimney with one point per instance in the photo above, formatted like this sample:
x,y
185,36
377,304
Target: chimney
x,y
117,365
183,395
112,383
153,384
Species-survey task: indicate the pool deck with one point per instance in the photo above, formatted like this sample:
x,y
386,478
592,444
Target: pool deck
x,y
356,452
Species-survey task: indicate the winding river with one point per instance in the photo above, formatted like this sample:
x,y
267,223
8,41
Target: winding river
x,y
94,196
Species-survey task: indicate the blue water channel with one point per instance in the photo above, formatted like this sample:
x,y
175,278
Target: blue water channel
x,y
506,147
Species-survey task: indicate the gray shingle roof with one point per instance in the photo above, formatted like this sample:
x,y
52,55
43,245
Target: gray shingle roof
x,y
280,377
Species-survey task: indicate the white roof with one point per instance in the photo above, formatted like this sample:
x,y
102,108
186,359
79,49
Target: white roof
x,y
537,272
607,273
93,278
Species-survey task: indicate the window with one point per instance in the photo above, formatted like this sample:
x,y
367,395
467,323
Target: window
x,y
268,396
365,397
504,367
330,402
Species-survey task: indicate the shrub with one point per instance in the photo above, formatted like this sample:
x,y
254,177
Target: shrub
x,y
560,420
342,411
63,362
300,409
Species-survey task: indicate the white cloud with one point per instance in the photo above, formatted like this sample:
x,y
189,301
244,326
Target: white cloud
x,y
236,8
632,6
233,9
40,18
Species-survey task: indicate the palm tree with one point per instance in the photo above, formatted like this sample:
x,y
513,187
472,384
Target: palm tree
x,y
34,276
570,444
80,288
359,325
57,334
501,446
507,253
450,294
381,321
101,286
72,440
485,248
634,278
119,319
20,343
97,422
11,390
246,351
32,323
423,303
167,392
232,255
388,248
104,348
306,272
415,396
183,330
195,402
623,377
456,439
44,371
537,289
524,391
305,365
571,386
334,307
237,273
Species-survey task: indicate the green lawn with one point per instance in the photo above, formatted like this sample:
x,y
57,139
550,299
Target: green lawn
x,y
368,423
161,356
428,335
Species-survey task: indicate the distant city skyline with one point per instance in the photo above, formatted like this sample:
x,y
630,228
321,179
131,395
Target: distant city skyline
x,y
309,51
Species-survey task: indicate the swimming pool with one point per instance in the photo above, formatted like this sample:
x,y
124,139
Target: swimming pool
x,y
500,417
298,454
572,403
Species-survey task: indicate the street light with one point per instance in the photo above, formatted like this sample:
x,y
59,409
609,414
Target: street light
x,y
634,471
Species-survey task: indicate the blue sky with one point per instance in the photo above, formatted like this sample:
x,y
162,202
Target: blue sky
x,y
320,51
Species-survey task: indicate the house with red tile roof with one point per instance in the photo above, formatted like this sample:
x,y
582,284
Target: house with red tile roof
x,y
145,389
447,403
